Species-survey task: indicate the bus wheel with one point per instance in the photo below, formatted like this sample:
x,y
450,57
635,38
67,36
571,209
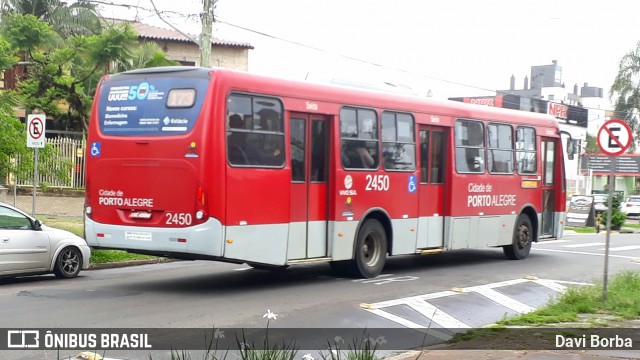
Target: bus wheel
x,y
522,239
371,250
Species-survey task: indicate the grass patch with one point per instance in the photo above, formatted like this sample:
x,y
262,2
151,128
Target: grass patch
x,y
581,230
623,303
623,300
97,256
111,256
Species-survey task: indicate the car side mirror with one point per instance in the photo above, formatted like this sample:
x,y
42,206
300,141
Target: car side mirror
x,y
37,225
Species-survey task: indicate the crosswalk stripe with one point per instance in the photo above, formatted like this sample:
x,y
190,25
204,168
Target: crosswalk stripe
x,y
504,300
410,324
436,315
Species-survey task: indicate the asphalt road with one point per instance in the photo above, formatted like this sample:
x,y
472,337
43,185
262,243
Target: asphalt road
x,y
208,294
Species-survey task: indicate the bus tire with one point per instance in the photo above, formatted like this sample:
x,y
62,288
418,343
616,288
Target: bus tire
x,y
522,239
371,250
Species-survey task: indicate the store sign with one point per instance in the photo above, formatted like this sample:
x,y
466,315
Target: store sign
x,y
581,212
559,111
627,165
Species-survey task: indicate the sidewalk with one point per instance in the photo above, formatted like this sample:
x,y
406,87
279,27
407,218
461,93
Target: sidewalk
x,y
438,354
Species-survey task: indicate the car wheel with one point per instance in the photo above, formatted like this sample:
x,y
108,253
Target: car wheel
x,y
68,263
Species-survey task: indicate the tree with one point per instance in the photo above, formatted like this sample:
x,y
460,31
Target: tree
x,y
592,145
79,18
626,90
146,55
62,74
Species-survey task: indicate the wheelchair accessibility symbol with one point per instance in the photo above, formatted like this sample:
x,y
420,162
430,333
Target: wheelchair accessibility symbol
x,y
96,149
413,180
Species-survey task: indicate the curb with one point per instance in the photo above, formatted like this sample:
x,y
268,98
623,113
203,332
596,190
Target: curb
x,y
121,264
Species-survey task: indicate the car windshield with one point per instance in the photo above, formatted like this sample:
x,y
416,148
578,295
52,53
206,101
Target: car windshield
x,y
634,200
599,198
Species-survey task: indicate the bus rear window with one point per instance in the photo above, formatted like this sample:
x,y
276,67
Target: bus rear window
x,y
151,106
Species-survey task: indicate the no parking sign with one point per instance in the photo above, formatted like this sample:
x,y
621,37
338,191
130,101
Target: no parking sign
x,y
35,130
614,137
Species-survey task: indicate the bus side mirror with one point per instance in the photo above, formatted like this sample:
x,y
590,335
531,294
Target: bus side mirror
x,y
571,149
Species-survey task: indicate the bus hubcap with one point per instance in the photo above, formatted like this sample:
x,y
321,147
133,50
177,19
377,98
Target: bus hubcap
x,y
523,236
370,249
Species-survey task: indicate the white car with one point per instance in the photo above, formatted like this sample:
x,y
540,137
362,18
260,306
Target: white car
x,y
27,247
631,206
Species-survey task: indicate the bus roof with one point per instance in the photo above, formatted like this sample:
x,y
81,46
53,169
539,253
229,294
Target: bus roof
x,y
353,96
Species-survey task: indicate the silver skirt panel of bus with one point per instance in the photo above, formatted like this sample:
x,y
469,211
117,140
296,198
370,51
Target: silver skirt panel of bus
x,y
203,239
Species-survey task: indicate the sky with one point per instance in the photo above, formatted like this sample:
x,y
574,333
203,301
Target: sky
x,y
440,48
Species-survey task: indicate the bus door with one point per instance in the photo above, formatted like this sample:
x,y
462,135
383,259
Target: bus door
x,y
309,173
549,186
432,186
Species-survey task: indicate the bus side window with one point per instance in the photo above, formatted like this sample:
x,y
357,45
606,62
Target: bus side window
x,y
526,156
398,141
469,138
437,158
359,138
297,149
500,148
257,139
424,156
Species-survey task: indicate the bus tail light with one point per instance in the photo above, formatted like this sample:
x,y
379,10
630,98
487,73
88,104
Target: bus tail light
x,y
202,196
201,202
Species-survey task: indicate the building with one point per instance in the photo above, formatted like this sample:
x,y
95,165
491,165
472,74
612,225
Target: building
x,y
185,49
578,112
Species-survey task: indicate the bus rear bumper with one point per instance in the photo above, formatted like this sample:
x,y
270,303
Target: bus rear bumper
x,y
204,239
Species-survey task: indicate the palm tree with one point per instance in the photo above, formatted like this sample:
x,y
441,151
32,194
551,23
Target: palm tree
x,y
148,54
80,18
626,89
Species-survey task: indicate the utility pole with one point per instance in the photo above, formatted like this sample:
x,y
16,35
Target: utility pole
x,y
205,35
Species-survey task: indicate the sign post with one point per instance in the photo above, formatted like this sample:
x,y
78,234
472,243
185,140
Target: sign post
x,y
35,140
614,138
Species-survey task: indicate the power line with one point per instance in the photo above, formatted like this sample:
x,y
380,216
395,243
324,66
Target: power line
x,y
315,48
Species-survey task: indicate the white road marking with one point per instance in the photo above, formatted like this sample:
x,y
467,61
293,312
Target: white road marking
x,y
504,300
623,248
587,253
436,315
420,303
583,245
410,324
551,242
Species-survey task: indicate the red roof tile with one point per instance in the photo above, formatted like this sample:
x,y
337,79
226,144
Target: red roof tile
x,y
157,33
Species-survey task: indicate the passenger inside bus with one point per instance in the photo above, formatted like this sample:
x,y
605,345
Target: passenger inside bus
x,y
244,152
356,156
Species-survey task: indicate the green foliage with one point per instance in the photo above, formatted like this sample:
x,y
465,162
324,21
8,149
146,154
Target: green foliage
x,y
62,74
592,145
617,217
114,256
79,18
626,89
12,136
622,300
26,32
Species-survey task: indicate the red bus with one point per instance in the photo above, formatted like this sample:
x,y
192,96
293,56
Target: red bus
x,y
195,163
